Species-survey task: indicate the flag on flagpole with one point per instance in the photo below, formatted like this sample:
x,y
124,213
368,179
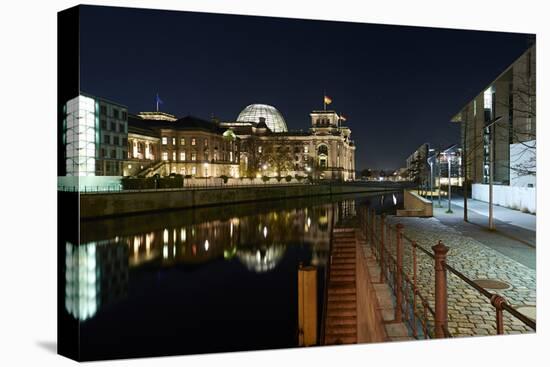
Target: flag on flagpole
x,y
158,101
328,100
342,118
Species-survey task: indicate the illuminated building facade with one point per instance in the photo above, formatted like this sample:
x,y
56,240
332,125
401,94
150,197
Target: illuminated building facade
x,y
326,151
101,139
94,135
188,146
510,98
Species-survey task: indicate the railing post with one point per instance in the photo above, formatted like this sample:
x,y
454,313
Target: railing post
x,y
382,265
440,251
398,274
498,302
415,333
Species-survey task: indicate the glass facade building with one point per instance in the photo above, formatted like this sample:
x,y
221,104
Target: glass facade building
x,y
80,134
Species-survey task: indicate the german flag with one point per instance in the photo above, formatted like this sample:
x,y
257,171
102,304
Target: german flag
x,y
328,100
343,118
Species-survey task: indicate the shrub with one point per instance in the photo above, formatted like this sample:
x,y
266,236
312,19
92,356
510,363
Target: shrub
x,y
279,178
129,183
298,177
265,178
171,182
288,178
224,178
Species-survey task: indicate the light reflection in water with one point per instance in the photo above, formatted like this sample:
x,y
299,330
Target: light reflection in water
x,y
97,272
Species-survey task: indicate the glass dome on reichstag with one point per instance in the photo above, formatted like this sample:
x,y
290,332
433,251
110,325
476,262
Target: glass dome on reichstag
x,y
273,118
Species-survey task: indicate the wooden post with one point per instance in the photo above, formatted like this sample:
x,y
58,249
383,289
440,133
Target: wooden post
x,y
440,251
307,305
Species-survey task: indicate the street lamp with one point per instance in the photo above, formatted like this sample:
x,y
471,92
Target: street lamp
x,y
439,183
491,127
448,156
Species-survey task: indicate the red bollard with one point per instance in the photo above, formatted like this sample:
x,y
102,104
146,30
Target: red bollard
x,y
441,314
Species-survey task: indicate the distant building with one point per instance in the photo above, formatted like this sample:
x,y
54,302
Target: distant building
x,y
417,165
101,139
510,98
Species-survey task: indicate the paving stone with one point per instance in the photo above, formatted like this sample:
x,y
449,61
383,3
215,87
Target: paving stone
x,y
470,310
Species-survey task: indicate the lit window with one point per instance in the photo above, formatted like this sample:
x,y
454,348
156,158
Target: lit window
x,y
173,156
182,156
164,156
215,156
306,149
193,141
182,141
193,170
193,156
230,156
173,141
488,98
259,149
205,142
164,140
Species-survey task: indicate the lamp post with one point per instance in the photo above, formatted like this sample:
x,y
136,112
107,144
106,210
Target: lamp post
x,y
439,184
448,156
491,127
431,179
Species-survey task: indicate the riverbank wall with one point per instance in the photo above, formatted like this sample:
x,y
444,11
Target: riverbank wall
x,y
105,204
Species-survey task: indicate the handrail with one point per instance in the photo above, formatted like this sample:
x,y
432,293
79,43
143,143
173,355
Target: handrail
x,y
497,301
327,279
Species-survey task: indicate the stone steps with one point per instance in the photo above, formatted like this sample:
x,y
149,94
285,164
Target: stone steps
x,y
341,317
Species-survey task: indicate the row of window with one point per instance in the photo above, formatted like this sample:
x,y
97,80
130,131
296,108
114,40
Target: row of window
x,y
296,149
182,141
183,156
113,154
116,113
112,126
115,141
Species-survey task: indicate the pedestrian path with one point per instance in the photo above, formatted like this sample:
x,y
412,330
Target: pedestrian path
x,y
469,312
510,216
517,243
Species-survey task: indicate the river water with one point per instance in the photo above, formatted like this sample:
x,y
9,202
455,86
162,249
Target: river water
x,y
206,280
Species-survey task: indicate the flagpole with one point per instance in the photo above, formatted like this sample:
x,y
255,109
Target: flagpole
x,y
324,100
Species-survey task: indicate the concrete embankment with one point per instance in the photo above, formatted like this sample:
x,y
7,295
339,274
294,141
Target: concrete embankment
x,y
95,205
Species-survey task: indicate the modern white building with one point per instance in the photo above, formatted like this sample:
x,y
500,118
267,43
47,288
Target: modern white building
x,y
503,117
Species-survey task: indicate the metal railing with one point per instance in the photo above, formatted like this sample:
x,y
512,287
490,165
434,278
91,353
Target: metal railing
x,y
185,186
327,279
412,306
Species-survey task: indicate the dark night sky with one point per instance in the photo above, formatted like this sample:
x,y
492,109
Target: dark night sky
x,y
397,86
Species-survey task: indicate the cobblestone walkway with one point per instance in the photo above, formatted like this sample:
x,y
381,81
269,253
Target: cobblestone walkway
x,y
470,313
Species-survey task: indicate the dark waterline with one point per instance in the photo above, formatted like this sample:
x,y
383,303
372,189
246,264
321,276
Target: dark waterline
x,y
200,281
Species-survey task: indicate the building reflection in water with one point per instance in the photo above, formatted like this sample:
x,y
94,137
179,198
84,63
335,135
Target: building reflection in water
x,y
97,272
